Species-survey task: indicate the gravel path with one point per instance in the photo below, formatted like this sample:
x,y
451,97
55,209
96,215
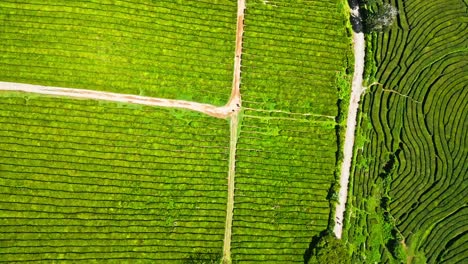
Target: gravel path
x,y
359,53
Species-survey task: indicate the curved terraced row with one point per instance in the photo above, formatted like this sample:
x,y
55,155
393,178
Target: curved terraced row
x,y
88,181
442,248
286,152
156,48
423,60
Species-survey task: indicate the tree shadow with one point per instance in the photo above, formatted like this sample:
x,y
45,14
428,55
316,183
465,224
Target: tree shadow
x,y
313,244
356,21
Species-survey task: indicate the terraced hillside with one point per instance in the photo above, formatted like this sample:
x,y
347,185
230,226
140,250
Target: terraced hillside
x,y
85,181
286,153
410,185
155,48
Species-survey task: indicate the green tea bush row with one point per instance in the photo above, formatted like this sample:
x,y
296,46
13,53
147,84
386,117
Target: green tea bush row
x,y
286,153
82,180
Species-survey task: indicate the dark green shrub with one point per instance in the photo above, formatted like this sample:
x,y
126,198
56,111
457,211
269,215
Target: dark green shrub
x,y
328,249
381,19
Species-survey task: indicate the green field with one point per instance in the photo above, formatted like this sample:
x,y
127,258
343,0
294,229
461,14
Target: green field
x,y
83,181
90,181
409,193
287,146
154,48
293,56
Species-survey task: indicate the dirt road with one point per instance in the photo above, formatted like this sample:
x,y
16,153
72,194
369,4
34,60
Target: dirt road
x,y
235,101
359,53
220,112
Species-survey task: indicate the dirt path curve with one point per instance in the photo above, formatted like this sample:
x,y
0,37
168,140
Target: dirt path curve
x,y
232,107
234,102
220,112
359,53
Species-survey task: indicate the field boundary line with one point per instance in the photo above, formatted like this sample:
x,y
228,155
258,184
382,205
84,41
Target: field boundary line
x,y
235,102
289,113
359,45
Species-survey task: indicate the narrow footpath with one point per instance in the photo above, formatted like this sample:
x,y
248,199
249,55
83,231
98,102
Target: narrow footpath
x,y
234,102
359,53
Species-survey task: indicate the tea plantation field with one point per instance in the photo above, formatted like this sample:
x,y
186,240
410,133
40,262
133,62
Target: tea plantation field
x,y
295,56
410,184
90,181
85,181
155,48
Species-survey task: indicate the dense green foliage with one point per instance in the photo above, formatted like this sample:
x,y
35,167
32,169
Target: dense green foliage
x,y
287,149
80,180
380,19
330,250
155,48
409,194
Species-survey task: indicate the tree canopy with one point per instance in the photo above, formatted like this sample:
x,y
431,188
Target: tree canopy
x,y
331,250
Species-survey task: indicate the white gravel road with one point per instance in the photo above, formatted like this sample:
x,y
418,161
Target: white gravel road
x,y
359,53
